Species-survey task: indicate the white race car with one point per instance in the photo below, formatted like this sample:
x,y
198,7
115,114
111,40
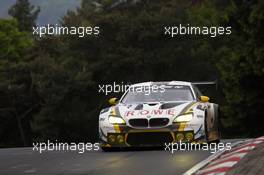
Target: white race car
x,y
155,113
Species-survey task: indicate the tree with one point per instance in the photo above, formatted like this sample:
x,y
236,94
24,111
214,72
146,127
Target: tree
x,y
17,95
239,61
131,48
25,14
52,90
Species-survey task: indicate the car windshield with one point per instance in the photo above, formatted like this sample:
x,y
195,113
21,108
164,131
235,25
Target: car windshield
x,y
162,94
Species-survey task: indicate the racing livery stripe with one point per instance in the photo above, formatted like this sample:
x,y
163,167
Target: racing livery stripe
x,y
191,107
113,111
117,129
187,108
117,111
182,126
198,130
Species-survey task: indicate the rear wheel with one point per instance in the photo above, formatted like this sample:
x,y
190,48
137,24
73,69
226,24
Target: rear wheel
x,y
207,132
214,141
205,126
218,125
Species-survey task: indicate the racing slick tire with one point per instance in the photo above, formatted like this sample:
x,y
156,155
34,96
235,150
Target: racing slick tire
x,y
206,131
106,149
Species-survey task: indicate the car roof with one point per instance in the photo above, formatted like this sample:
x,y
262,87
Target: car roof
x,y
151,83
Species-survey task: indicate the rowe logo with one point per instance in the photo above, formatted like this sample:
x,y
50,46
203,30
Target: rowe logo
x,y
149,113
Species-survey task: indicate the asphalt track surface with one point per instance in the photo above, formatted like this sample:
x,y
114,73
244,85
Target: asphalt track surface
x,y
16,161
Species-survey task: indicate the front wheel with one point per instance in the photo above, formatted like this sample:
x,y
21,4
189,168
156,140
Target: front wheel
x,y
106,149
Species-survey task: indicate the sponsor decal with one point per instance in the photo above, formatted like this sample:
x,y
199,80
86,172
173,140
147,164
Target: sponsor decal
x,y
156,112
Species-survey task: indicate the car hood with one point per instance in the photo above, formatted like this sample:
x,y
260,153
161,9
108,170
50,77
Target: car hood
x,y
151,110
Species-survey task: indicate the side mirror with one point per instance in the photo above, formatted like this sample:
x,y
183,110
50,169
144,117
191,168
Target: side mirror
x,y
113,101
204,99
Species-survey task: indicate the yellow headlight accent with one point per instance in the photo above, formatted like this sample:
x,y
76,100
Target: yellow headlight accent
x,y
180,136
189,136
120,139
112,138
116,120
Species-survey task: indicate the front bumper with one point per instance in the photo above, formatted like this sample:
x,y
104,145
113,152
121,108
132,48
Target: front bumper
x,y
150,138
124,136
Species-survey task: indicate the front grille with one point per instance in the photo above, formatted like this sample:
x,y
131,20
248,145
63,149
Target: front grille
x,y
138,122
158,122
149,138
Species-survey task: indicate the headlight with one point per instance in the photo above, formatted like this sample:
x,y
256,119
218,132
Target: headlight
x,y
116,120
184,118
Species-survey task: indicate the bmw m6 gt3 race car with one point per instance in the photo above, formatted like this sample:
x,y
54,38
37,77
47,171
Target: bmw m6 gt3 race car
x,y
155,113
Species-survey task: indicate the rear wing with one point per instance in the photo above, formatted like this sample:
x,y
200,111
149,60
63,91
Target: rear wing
x,y
206,83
